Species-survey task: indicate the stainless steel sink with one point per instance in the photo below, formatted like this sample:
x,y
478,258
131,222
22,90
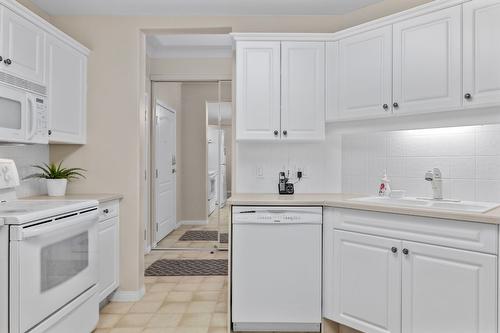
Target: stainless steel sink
x,y
461,206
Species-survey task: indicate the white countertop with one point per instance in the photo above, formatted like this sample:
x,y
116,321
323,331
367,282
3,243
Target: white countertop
x,y
342,200
100,197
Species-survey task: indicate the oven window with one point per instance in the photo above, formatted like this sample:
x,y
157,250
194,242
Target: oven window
x,y
63,260
10,114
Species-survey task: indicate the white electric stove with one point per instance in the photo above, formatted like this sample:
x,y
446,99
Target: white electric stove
x,y
48,262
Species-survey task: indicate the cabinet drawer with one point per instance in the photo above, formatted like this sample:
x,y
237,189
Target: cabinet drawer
x,y
108,210
480,237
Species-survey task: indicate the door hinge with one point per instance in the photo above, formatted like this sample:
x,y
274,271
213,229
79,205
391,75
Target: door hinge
x,y
157,228
156,172
145,235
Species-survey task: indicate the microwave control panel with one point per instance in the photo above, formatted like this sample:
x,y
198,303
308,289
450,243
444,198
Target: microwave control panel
x,y
41,117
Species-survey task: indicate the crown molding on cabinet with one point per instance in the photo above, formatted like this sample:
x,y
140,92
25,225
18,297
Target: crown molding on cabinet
x,y
24,12
264,36
191,77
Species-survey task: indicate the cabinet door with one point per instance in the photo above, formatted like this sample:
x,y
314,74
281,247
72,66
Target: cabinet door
x,y
303,90
481,52
427,62
108,257
258,90
67,84
365,69
448,290
332,81
22,46
367,282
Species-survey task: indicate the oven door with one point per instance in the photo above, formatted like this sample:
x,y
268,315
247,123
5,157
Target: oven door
x,y
51,264
13,114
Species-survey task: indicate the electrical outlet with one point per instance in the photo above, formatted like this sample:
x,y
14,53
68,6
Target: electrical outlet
x,y
305,171
259,171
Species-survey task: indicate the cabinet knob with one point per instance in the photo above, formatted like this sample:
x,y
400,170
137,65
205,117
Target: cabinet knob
x,y
394,249
1,58
7,61
385,107
467,96
285,132
276,132
105,211
405,251
50,132
395,104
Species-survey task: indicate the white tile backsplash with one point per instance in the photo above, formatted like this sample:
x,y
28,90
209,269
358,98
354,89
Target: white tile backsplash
x,y
469,158
25,156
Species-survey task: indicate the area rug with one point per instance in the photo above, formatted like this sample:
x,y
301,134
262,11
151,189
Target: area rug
x,y
203,235
187,267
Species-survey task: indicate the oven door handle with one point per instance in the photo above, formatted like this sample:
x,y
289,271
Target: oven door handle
x,y
80,221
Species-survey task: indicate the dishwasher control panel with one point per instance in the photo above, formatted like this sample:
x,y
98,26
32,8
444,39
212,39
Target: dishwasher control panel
x,y
289,215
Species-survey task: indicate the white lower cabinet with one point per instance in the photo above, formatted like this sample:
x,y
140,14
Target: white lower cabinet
x,y
448,290
109,251
367,281
397,284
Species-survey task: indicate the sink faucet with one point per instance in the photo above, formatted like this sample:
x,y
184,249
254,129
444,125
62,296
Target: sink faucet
x,y
434,177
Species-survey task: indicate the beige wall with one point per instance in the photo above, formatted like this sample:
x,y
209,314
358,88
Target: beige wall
x,y
192,66
194,148
113,152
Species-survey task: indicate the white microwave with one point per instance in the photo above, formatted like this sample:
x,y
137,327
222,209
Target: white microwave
x,y
23,115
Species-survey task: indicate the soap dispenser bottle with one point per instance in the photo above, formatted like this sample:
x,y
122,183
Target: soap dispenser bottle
x,y
385,187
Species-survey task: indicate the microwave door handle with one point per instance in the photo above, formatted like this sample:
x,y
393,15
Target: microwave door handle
x,y
32,117
81,221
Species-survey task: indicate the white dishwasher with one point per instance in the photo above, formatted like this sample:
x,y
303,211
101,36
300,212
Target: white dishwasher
x,y
276,268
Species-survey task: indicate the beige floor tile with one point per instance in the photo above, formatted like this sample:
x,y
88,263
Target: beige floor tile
x,y
221,307
193,279
117,308
179,296
196,319
170,279
206,296
108,320
187,329
163,287
165,320
155,296
134,320
211,286
219,320
175,307
217,330
101,330
126,330
201,307
186,286
146,307
159,330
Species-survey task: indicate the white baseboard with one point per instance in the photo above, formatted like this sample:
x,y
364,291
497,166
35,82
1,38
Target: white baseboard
x,y
128,296
194,222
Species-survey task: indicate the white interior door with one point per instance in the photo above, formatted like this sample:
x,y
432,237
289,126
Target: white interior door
x,y
448,290
165,172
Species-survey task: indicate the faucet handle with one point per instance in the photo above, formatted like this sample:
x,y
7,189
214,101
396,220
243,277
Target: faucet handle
x,y
436,172
429,176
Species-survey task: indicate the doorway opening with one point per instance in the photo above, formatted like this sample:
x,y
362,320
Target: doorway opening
x,y
191,141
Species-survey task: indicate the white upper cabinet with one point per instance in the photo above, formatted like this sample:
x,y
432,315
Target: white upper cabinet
x,y
481,33
367,282
258,90
67,85
303,90
365,79
427,62
22,48
448,290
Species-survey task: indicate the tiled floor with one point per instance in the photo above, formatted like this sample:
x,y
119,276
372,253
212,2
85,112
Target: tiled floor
x,y
185,304
172,240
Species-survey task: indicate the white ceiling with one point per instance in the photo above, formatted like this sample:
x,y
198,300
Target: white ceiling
x,y
190,46
201,7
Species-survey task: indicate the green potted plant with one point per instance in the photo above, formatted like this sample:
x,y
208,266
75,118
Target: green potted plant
x,y
57,177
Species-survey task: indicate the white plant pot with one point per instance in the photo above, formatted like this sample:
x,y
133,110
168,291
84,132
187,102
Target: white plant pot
x,y
56,187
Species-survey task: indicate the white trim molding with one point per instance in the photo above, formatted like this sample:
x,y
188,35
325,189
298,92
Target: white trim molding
x,y
128,296
192,222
